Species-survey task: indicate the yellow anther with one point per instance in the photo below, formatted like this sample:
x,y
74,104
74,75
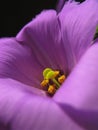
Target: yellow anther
x,y
51,89
44,82
61,79
56,73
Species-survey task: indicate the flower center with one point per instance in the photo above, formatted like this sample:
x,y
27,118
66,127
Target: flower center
x,y
52,80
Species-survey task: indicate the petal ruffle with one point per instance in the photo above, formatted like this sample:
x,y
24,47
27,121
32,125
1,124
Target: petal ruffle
x,y
67,7
20,109
60,4
43,35
78,26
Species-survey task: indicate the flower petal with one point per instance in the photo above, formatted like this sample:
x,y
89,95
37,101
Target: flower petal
x,y
17,62
67,7
78,26
81,87
43,35
80,90
60,4
66,47
22,110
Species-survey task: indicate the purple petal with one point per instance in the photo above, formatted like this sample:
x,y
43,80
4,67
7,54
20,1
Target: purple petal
x,y
80,90
43,36
60,4
78,24
81,87
67,7
17,62
20,109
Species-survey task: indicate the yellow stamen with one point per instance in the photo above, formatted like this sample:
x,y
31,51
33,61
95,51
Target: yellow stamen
x,y
52,79
44,82
51,89
61,79
50,74
56,73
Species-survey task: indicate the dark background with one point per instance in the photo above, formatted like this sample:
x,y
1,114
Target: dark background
x,y
15,14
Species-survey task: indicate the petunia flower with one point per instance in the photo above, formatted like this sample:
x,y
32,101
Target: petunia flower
x,y
60,41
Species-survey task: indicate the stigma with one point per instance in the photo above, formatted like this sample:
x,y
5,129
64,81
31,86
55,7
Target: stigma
x,y
52,80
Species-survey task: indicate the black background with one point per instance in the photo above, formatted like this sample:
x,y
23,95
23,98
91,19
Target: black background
x,y
15,14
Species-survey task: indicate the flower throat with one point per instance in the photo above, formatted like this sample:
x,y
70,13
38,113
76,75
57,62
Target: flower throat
x,y
52,80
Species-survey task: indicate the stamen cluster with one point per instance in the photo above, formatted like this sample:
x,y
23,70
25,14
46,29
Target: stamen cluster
x,y
52,80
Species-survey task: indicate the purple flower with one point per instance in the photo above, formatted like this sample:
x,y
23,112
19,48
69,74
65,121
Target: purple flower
x,y
58,41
